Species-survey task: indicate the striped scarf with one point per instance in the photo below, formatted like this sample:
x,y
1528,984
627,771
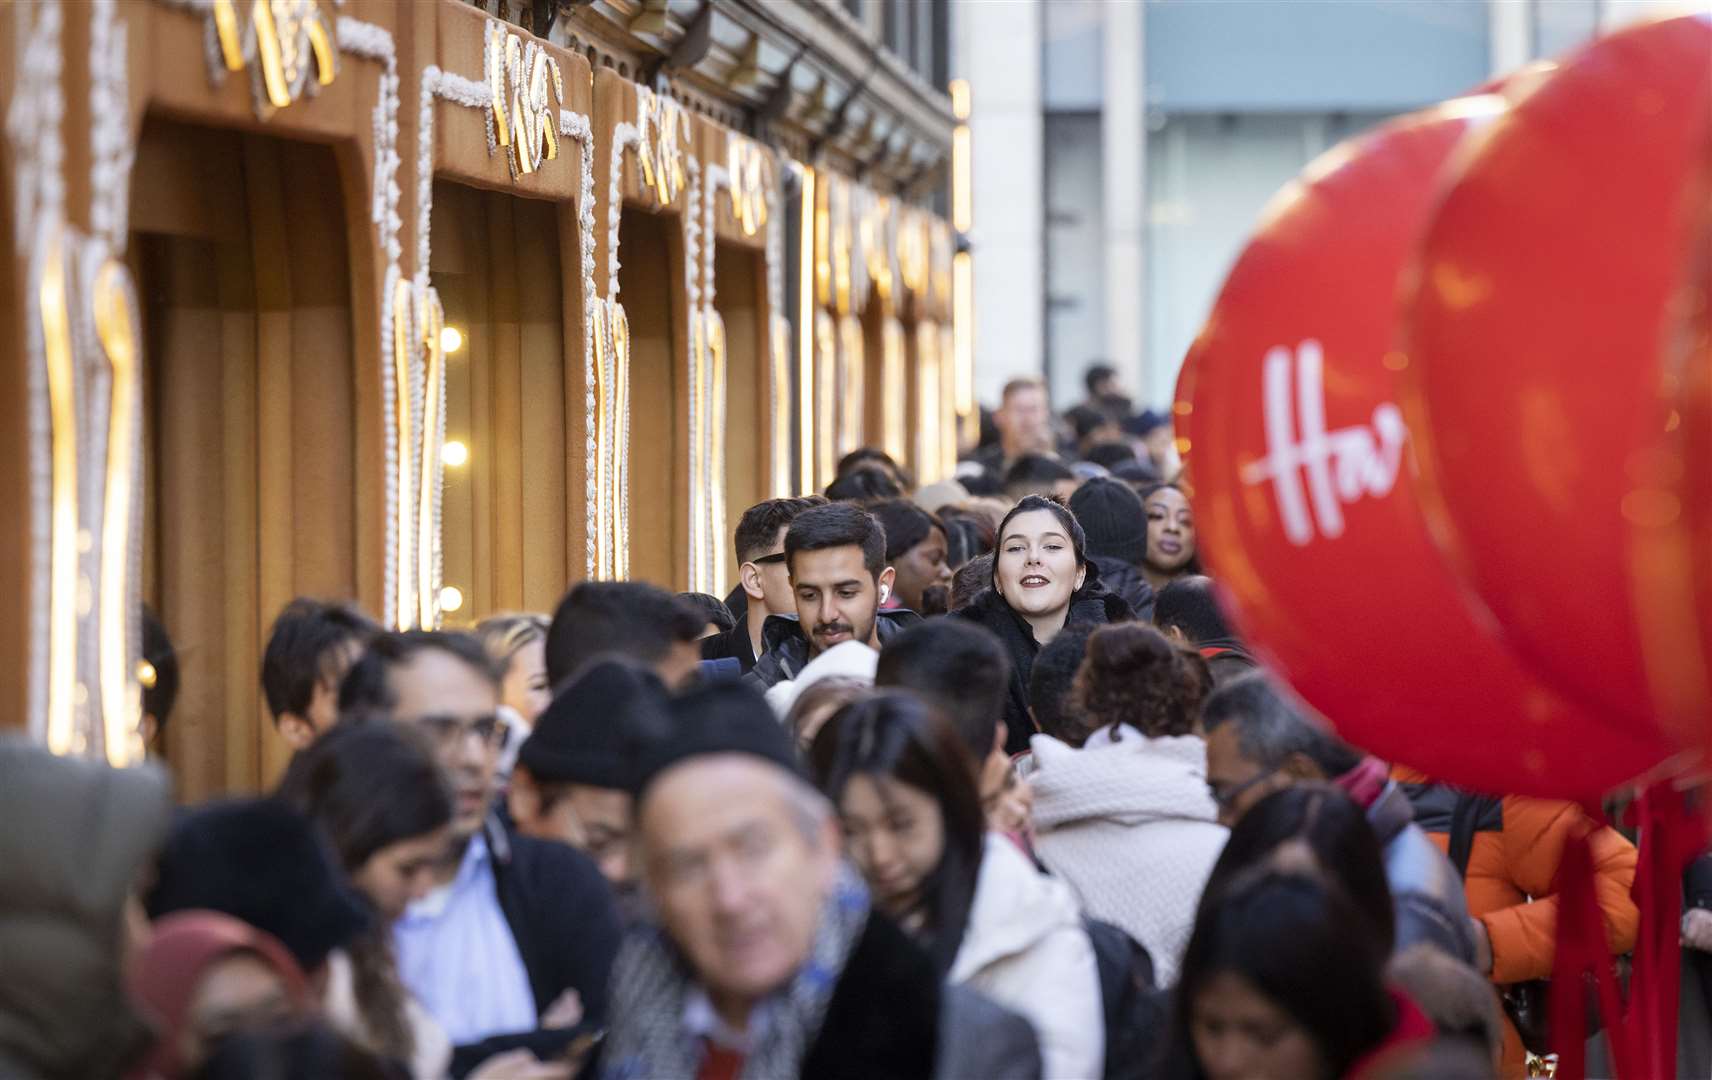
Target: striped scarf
x,y
651,982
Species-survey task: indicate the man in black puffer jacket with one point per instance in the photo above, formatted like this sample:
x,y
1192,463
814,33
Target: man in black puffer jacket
x,y
836,555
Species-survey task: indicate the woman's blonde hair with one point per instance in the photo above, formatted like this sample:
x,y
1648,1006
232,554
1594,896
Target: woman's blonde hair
x,y
503,635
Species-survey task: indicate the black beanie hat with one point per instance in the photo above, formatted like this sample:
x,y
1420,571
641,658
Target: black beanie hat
x,y
725,718
260,861
592,731
1113,518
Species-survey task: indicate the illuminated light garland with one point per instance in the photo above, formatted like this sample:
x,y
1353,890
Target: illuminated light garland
x,y
520,118
806,335
280,42
33,129
53,315
695,353
402,427
116,322
894,395
779,344
751,183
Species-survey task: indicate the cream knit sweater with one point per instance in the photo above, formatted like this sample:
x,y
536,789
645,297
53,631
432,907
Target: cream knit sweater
x,y
1130,826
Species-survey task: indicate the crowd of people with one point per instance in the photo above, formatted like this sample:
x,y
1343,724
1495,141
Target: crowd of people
x,y
970,779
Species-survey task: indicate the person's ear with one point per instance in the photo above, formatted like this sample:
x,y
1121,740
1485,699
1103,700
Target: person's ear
x,y
297,732
1081,576
148,728
749,575
887,577
1175,635
523,799
1300,766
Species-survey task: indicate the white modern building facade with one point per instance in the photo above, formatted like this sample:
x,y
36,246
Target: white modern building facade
x,y
1122,149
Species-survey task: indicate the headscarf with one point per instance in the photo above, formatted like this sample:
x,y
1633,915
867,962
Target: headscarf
x,y
184,946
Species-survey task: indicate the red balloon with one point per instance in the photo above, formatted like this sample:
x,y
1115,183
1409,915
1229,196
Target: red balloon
x,y
1683,690
1541,297
1305,505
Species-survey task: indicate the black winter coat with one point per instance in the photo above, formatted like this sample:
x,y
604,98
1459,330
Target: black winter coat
x,y
1092,603
733,644
565,921
787,646
1126,581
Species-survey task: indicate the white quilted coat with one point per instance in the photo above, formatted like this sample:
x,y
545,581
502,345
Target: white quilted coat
x,y
1026,949
1131,827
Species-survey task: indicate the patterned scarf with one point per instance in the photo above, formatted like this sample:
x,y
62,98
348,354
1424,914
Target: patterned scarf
x,y
651,982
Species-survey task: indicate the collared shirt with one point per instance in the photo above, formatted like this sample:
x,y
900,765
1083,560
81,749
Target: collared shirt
x,y
703,1022
456,954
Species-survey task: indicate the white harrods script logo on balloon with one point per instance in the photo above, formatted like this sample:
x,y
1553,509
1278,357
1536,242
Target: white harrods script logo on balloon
x,y
1313,466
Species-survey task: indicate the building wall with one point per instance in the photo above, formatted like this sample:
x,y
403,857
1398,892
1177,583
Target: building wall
x,y
998,49
1234,100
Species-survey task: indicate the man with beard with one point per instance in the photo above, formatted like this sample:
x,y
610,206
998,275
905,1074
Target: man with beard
x,y
519,934
836,557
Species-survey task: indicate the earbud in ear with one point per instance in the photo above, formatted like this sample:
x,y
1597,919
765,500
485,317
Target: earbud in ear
x,y
884,592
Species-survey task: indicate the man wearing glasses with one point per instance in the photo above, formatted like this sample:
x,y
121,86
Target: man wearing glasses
x,y
1258,742
519,934
764,580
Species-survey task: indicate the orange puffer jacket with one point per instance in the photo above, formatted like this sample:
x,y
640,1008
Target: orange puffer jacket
x,y
1511,870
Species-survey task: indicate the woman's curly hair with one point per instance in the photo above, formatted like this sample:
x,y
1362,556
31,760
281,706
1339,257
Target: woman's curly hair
x,y
1134,675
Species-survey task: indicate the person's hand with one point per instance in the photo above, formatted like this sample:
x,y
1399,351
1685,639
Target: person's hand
x,y
1697,929
1482,947
521,1065
1012,810
565,1012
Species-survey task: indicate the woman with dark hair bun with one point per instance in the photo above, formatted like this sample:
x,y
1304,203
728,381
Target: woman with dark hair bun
x,y
904,786
1284,979
1042,582
1121,807
376,791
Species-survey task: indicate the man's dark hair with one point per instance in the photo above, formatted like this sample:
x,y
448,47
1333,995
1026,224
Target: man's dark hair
x,y
1095,375
1189,605
971,580
873,456
983,481
160,676
865,483
838,525
967,534
761,524
1035,474
631,618
1053,674
957,666
1110,454
906,525
368,690
713,609
1269,726
1084,420
303,647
